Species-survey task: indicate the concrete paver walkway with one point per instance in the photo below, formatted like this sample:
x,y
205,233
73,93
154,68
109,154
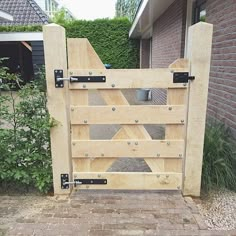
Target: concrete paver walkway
x,y
102,213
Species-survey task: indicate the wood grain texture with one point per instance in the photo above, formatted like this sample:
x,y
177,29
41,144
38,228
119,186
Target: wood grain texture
x,y
55,58
199,54
127,148
128,79
81,55
128,114
134,181
175,131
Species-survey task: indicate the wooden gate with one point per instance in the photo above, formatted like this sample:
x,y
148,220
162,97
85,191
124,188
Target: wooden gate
x,y
80,162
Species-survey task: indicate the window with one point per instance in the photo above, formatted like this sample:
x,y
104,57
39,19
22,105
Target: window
x,y
46,5
199,9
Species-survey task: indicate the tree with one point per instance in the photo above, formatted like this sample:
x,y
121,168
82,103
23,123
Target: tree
x,y
127,8
61,17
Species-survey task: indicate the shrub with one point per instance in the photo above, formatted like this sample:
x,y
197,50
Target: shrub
x,y
25,157
219,159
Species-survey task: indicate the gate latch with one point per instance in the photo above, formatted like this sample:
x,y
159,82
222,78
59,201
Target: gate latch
x,y
182,77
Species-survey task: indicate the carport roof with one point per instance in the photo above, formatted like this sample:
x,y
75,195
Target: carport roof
x,y
24,12
147,14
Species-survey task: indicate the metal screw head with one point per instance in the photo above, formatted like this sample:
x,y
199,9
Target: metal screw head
x,y
172,71
86,154
180,155
85,121
158,176
73,144
182,121
102,155
113,85
158,154
71,73
128,143
136,121
167,176
184,84
99,176
136,143
170,108
113,108
72,109
168,143
84,86
90,72
178,187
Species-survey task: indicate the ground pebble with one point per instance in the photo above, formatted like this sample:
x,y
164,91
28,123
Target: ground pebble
x,y
219,210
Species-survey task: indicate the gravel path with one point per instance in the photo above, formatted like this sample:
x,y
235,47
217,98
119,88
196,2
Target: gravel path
x,y
219,210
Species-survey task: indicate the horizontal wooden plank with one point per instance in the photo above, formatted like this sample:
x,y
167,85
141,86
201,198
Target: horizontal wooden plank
x,y
133,181
162,164
127,114
127,79
127,148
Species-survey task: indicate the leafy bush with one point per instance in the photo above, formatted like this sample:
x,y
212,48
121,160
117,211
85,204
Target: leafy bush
x,y
219,159
110,39
25,157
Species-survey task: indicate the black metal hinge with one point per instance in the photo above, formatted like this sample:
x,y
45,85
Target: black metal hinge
x,y
65,183
182,77
59,80
88,79
91,181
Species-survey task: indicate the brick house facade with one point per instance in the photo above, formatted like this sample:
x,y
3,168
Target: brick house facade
x,y
167,35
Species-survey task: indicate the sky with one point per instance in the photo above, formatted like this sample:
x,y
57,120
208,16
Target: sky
x,y
90,9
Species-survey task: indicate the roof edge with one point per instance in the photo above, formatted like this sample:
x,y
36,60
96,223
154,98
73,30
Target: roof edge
x,y
139,13
6,15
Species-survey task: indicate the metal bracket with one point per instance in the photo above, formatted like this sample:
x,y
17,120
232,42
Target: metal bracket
x,y
58,74
88,79
182,77
91,181
64,181
59,80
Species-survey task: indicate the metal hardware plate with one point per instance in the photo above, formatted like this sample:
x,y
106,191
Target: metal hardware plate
x,y
182,77
64,179
58,74
88,79
92,181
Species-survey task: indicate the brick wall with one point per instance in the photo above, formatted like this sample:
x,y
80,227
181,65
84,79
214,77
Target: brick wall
x,y
144,53
168,41
222,87
169,35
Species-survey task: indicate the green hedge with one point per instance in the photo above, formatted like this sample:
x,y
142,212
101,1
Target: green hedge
x,y
108,37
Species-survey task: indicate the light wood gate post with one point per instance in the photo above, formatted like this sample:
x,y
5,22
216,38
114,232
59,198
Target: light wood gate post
x,y
199,55
56,58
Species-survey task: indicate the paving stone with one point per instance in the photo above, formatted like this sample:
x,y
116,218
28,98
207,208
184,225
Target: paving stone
x,y
103,213
200,221
25,220
130,226
64,215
